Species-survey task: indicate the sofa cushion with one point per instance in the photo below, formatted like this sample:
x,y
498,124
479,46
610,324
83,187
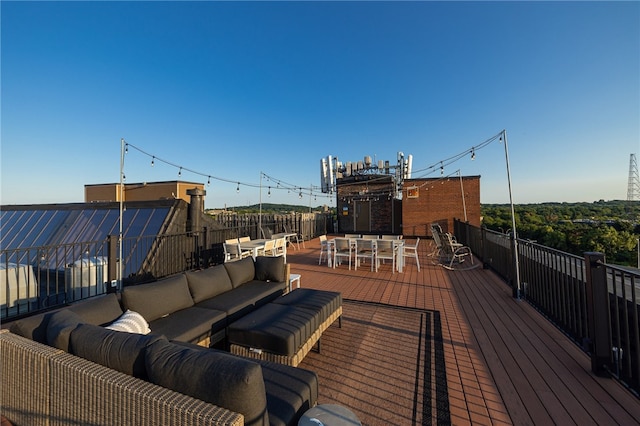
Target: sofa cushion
x,y
130,322
98,310
160,298
211,376
291,391
190,324
244,299
208,283
241,271
120,351
33,327
270,268
59,328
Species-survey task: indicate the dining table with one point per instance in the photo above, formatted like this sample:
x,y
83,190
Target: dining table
x,y
397,243
254,246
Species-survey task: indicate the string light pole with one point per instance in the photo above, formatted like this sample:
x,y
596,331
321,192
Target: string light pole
x,y
514,235
123,149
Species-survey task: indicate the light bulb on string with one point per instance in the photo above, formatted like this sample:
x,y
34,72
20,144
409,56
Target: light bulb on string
x,y
269,193
238,188
473,153
180,172
209,181
153,161
126,148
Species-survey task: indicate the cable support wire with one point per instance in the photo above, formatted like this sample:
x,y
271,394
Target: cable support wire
x,y
302,191
440,165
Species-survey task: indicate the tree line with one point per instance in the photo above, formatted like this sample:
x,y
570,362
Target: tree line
x,y
609,227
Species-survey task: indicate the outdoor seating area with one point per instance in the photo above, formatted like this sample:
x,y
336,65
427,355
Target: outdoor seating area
x,y
450,254
368,249
238,248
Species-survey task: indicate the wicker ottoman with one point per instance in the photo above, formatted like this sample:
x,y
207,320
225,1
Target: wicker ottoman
x,y
285,330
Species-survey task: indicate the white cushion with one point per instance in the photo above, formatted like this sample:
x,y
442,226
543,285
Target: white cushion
x,y
130,322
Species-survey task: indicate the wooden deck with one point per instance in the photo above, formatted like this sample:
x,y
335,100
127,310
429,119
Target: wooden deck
x,y
504,362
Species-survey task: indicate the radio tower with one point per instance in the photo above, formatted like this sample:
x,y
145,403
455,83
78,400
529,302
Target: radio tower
x,y
633,189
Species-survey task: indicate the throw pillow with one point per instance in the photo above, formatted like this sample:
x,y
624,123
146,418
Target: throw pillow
x,y
216,377
124,352
59,328
130,322
270,268
241,271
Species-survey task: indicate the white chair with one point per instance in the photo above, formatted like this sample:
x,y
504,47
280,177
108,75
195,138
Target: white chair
x,y
391,237
268,249
342,249
386,250
324,249
244,239
295,235
280,248
369,237
352,236
411,251
366,249
233,252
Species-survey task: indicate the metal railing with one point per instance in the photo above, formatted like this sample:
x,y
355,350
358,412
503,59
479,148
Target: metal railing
x,y
39,278
564,288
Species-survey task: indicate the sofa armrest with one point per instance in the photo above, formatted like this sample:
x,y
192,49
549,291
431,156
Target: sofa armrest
x,y
44,383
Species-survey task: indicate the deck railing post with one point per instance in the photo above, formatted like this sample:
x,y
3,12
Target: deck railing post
x,y
599,341
112,262
483,242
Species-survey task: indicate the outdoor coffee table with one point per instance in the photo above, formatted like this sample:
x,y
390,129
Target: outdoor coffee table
x,y
285,330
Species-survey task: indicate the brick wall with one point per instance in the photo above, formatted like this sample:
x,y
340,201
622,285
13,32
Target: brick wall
x,y
439,200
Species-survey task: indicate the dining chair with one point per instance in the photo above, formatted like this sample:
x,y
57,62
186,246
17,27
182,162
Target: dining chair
x,y
342,248
411,250
268,249
324,248
280,248
386,250
295,235
369,237
366,249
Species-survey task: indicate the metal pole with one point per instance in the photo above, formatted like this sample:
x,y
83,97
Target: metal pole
x,y
120,262
464,204
260,214
514,235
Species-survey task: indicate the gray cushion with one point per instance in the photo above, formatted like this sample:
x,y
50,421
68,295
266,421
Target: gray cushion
x,y
326,302
211,376
118,350
59,328
33,327
291,391
270,268
190,324
208,283
244,299
159,298
98,310
279,329
241,271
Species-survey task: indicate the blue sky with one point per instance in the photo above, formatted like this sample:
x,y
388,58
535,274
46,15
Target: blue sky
x,y
233,89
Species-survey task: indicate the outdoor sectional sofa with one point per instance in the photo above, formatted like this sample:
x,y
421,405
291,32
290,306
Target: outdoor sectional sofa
x,y
66,367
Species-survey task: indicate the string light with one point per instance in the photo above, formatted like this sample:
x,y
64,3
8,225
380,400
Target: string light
x,y
269,193
153,161
473,154
209,181
238,188
180,172
126,148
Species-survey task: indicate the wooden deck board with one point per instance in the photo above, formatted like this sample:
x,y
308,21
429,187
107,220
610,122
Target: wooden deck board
x,y
505,363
